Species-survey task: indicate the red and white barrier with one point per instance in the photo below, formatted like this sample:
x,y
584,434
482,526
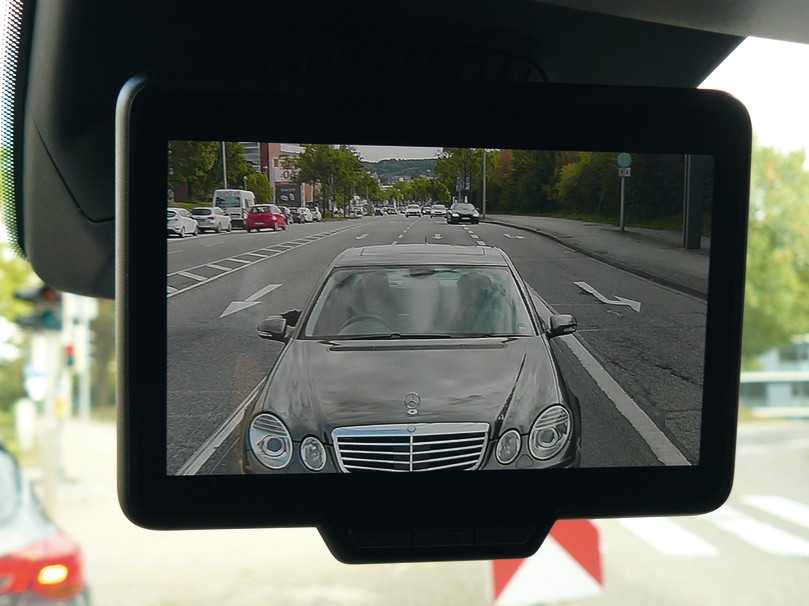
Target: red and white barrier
x,y
567,566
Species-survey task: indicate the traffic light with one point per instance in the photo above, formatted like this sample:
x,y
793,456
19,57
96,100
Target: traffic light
x,y
47,312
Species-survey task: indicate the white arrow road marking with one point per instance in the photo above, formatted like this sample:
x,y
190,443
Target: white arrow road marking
x,y
361,237
253,299
170,289
510,236
437,236
618,300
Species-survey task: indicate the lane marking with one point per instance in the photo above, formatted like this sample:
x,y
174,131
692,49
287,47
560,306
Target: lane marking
x,y
399,237
236,306
170,289
188,274
660,445
760,535
480,243
361,237
471,235
509,236
226,271
617,301
394,242
221,267
253,254
781,507
174,252
668,538
214,441
437,236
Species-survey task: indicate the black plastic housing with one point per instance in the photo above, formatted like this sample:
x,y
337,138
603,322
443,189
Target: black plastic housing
x,y
452,515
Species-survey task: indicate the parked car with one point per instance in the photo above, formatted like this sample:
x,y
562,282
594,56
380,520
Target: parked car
x,y
265,216
287,213
429,300
379,212
463,212
38,563
236,203
425,211
438,210
317,216
211,219
180,223
306,215
413,210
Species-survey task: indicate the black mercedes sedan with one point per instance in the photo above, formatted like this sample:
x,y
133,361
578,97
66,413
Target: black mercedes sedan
x,y
414,358
462,212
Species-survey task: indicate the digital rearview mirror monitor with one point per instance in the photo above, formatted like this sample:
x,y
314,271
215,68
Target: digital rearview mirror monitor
x,y
367,313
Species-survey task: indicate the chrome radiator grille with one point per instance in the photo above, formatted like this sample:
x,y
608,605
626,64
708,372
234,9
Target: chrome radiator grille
x,y
410,446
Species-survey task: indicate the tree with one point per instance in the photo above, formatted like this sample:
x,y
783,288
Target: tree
x,y
258,183
777,289
190,163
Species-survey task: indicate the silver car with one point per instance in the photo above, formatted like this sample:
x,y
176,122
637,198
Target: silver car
x,y
211,218
438,210
181,223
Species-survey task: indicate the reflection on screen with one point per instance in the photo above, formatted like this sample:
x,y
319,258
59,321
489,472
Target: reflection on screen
x,y
351,308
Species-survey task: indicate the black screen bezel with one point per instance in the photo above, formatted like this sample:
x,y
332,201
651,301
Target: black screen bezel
x,y
652,120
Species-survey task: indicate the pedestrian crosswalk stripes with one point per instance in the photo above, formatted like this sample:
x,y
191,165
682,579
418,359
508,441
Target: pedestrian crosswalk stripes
x,y
696,537
668,537
786,509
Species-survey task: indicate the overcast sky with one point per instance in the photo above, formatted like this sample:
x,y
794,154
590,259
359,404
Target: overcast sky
x,y
372,153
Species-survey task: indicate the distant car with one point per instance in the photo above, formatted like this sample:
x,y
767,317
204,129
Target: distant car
x,y
265,216
425,211
463,212
390,211
287,213
39,565
413,210
180,223
317,216
211,219
438,210
379,212
305,215
460,320
353,215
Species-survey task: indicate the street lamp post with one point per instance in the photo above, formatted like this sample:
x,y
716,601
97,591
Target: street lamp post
x,y
484,184
224,167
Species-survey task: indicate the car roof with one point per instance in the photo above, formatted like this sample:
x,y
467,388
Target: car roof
x,y
421,254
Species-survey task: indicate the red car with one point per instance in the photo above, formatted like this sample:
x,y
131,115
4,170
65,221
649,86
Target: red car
x,y
265,216
39,565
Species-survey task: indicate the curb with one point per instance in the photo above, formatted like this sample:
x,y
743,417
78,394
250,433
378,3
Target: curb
x,y
628,268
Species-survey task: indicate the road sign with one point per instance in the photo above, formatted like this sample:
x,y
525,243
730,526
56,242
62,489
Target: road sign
x,y
625,172
566,567
624,160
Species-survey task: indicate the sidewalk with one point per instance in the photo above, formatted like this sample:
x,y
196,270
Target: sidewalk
x,y
652,253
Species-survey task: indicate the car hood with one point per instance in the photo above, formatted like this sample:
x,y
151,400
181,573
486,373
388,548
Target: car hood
x,y
319,385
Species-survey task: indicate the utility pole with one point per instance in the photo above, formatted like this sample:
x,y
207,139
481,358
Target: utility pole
x,y
224,167
484,183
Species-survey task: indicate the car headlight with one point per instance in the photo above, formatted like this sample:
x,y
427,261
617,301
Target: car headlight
x,y
475,214
550,432
313,453
508,447
455,215
270,441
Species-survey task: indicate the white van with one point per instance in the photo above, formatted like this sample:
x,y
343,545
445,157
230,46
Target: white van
x,y
236,203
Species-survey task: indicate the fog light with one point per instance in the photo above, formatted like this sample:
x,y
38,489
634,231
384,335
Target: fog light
x,y
508,447
313,453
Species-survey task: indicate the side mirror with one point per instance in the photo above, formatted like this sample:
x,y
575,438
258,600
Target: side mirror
x,y
273,327
292,316
561,324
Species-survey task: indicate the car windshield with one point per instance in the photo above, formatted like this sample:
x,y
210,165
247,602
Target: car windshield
x,y
439,207
201,212
260,209
228,200
464,208
419,301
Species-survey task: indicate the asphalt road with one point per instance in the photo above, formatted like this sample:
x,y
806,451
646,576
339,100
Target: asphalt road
x,y
637,373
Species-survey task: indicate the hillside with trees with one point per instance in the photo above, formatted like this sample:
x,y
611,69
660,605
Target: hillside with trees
x,y
390,171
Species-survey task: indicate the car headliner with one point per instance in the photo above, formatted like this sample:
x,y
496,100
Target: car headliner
x,y
421,254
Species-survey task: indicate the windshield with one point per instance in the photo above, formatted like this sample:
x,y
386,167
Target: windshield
x,y
201,212
171,214
419,301
228,200
464,208
260,209
439,207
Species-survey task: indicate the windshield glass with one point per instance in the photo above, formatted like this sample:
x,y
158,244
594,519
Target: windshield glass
x,y
228,200
201,212
439,207
464,208
260,209
420,301
171,214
